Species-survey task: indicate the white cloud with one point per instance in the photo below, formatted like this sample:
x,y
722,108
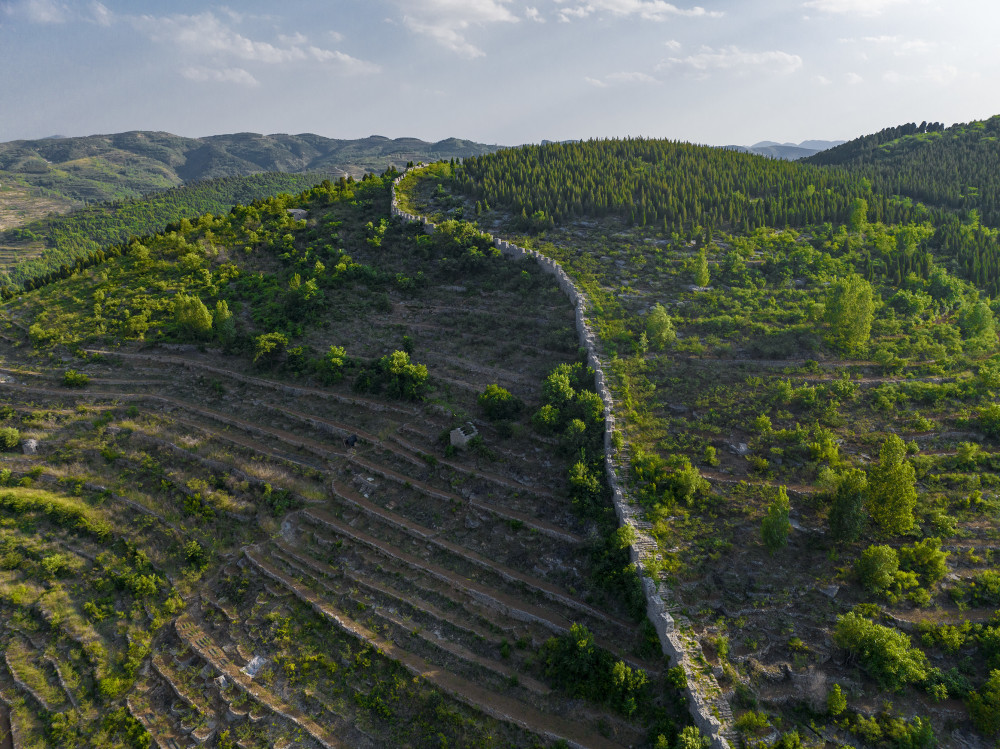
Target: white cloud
x,y
207,35
39,11
672,44
896,44
238,76
852,7
533,14
102,16
854,79
448,21
649,10
631,77
622,78
733,58
821,80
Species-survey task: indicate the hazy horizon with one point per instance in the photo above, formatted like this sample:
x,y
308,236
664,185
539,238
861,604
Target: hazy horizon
x,y
496,71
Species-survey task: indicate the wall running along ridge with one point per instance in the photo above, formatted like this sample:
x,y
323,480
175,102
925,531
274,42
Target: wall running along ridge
x,y
706,702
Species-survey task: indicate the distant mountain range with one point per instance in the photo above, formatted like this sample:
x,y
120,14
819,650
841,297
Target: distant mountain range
x,y
788,151
127,165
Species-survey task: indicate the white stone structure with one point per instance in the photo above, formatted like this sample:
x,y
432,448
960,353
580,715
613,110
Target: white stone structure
x,y
462,436
708,706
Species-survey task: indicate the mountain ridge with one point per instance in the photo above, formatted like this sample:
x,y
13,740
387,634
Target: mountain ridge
x,y
114,166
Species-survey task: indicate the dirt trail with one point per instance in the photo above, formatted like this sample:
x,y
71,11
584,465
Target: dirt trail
x,y
272,384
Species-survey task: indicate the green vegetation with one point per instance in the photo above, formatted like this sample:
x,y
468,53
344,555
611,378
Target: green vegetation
x,y
844,353
270,389
498,404
885,653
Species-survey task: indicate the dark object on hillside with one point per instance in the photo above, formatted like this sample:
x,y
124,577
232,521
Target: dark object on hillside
x,y
351,441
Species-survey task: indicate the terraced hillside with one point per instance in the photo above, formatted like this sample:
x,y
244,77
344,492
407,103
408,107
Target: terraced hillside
x,y
263,547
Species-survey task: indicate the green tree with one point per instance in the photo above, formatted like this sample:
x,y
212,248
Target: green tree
x,y
659,328
404,378
984,706
877,567
892,493
268,347
850,311
858,220
884,652
926,559
224,323
701,275
836,702
847,516
691,738
333,365
978,327
498,403
9,438
775,525
192,316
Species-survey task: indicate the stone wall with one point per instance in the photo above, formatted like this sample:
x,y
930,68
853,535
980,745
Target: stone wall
x,y
709,708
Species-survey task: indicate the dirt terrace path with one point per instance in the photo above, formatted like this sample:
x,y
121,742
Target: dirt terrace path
x,y
541,526
300,567
260,382
513,607
498,706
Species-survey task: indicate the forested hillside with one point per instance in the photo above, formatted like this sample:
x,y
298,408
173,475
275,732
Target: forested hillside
x,y
42,249
957,168
675,188
99,168
807,403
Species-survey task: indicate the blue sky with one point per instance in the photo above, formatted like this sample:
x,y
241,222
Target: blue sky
x,y
497,71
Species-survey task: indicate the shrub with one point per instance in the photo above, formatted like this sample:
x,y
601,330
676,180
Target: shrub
x,y
659,328
847,517
546,419
877,568
573,662
403,378
268,347
690,738
984,588
926,559
192,316
989,420
775,525
885,653
74,379
498,404
752,723
9,438
332,365
836,702
984,706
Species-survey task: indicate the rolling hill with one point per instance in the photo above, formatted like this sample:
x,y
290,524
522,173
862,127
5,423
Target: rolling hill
x,y
98,168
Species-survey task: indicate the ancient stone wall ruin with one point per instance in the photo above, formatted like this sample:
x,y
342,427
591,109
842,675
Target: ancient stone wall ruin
x,y
709,708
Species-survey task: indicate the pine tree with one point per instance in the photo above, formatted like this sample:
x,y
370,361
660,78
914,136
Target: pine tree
x,y
892,493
